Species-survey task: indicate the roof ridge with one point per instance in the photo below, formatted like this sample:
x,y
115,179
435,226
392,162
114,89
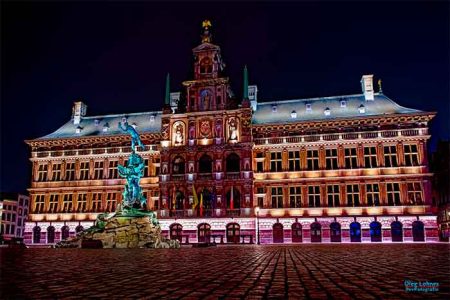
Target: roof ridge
x,y
123,114
311,99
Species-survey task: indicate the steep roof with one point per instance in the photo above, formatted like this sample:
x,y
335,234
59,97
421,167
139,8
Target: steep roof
x,y
146,122
280,111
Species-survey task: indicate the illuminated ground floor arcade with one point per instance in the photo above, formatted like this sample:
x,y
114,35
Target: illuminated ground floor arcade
x,y
267,230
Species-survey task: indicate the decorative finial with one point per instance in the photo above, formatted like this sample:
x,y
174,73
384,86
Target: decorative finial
x,y
380,90
167,95
206,37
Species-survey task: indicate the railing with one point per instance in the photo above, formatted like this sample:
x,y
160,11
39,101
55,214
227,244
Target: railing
x,y
233,175
178,177
342,136
206,213
204,176
75,152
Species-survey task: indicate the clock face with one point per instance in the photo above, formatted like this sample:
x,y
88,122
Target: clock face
x,y
205,128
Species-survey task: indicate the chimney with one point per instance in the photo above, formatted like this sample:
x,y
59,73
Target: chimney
x,y
367,87
253,96
78,111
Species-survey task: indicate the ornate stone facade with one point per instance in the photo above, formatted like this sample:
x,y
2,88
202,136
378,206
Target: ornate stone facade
x,y
334,169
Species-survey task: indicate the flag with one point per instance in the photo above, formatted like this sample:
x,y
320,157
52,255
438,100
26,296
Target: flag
x,y
174,200
194,195
213,198
201,204
231,199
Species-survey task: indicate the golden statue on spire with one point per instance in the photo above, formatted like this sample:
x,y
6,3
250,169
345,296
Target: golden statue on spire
x,y
206,37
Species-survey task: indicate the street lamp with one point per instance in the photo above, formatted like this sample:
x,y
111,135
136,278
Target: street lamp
x,y
257,224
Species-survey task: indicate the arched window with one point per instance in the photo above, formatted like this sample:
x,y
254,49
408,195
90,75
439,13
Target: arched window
x,y
278,233
355,232
207,201
375,231
233,233
79,228
205,164
316,232
205,66
204,233
64,232
233,163
297,236
397,231
236,199
36,235
178,165
50,234
335,232
418,231
179,200
176,232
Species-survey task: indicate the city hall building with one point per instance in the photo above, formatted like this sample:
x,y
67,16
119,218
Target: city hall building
x,y
234,169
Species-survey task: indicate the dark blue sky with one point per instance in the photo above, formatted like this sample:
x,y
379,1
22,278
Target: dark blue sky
x,y
115,57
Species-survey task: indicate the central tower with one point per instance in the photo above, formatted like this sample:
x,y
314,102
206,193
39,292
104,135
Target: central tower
x,y
206,167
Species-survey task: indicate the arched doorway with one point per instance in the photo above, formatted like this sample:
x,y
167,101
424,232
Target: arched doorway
x,y
233,163
375,231
297,236
355,232
335,232
36,235
65,232
50,234
397,231
316,232
233,233
176,232
278,233
204,233
418,231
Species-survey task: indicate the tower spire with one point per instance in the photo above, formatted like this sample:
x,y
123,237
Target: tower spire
x,y
167,95
206,36
245,93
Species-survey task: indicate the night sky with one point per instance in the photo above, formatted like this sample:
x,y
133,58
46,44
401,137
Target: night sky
x,y
115,56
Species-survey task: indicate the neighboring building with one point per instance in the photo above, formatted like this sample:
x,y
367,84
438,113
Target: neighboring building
x,y
349,168
440,164
14,213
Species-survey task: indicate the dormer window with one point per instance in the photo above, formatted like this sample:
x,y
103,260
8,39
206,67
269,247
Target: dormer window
x,y
96,122
327,111
308,107
105,127
274,108
362,109
293,114
152,119
343,103
78,129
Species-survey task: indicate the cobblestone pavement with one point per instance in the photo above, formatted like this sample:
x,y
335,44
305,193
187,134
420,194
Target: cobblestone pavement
x,y
363,271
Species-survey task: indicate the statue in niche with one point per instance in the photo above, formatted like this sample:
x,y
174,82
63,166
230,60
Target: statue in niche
x,y
191,131
205,99
233,131
179,135
218,128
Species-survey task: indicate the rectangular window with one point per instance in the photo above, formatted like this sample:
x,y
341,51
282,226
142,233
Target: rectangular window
x,y
295,196
56,172
370,157
415,193
84,170
294,161
97,202
353,195
98,170
259,166
260,202
157,163
111,202
333,195
390,156
275,162
351,158
113,173
53,203
39,201
70,171
314,196
146,172
81,202
42,172
411,155
393,193
277,197
331,159
67,203
312,159
372,194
